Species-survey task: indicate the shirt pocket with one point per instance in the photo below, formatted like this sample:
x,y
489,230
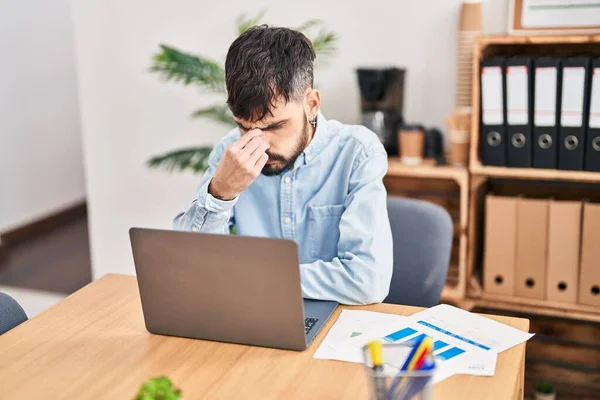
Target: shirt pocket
x,y
324,230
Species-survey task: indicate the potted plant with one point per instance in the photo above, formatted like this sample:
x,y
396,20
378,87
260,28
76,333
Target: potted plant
x,y
545,391
159,388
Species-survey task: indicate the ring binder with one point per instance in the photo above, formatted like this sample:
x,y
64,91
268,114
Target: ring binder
x,y
574,105
546,111
592,152
493,130
518,120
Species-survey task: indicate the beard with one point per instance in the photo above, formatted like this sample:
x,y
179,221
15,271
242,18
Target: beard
x,y
285,162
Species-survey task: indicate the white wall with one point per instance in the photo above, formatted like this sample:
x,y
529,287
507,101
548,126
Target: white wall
x,y
128,114
41,167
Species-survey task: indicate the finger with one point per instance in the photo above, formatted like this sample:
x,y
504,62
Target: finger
x,y
250,147
241,142
257,154
262,161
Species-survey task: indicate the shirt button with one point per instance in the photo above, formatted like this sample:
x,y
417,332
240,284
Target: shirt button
x,y
308,158
287,179
194,229
287,220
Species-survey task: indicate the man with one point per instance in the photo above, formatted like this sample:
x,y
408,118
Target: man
x,y
287,172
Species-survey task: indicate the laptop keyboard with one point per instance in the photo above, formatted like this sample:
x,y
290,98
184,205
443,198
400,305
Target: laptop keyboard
x,y
309,323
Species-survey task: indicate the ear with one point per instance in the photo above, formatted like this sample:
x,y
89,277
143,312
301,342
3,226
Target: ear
x,y
312,103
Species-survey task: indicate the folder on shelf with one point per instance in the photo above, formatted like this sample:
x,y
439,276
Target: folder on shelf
x,y
493,129
532,242
575,78
546,112
518,111
564,232
500,245
589,281
592,150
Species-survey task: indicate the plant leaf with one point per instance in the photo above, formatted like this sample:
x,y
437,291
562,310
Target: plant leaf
x,y
308,25
325,43
195,159
243,22
219,113
175,65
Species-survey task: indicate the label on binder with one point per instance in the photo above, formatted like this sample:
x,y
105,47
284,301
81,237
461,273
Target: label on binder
x,y
517,96
545,96
491,96
595,100
572,96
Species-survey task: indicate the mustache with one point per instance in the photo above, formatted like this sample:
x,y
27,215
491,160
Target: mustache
x,y
275,156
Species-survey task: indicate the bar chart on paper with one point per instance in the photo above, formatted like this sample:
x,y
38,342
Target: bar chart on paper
x,y
441,350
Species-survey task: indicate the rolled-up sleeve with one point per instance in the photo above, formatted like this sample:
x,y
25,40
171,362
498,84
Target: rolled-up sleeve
x,y
362,271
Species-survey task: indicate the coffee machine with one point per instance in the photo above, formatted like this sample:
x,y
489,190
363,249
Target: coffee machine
x,y
382,103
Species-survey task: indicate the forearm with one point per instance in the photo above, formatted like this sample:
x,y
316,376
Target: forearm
x,y
206,214
350,280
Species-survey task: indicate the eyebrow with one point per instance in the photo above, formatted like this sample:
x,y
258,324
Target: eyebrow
x,y
266,128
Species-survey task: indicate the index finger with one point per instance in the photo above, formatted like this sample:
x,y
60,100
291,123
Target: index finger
x,y
241,142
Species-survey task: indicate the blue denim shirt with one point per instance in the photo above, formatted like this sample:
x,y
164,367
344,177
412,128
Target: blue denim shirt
x,y
332,203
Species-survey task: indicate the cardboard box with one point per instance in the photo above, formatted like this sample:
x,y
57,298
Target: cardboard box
x,y
564,232
500,245
532,245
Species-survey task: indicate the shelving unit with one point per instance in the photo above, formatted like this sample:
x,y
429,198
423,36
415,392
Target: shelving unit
x,y
566,344
481,176
447,186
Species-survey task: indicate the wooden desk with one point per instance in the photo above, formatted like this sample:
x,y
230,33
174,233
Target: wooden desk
x,y
93,345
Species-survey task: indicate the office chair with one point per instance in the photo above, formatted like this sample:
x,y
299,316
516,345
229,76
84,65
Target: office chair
x,y
422,234
11,313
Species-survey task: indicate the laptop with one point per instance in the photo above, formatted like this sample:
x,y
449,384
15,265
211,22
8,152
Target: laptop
x,y
225,288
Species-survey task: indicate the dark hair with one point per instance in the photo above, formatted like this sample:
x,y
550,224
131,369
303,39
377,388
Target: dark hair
x,y
265,64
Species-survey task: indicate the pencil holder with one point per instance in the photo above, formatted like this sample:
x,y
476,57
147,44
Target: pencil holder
x,y
390,383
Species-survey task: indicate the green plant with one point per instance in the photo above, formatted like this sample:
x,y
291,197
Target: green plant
x,y
209,75
159,388
544,387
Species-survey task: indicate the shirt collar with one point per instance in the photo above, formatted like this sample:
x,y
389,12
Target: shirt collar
x,y
318,142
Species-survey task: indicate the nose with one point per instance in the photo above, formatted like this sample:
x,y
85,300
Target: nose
x,y
267,137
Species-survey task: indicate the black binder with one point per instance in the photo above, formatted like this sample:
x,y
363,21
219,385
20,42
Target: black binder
x,y
573,109
493,112
518,111
546,112
592,150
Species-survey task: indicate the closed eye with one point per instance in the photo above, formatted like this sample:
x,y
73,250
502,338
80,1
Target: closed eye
x,y
274,128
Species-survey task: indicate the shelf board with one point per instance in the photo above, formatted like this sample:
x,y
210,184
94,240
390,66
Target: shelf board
x,y
539,307
536,174
397,168
541,39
